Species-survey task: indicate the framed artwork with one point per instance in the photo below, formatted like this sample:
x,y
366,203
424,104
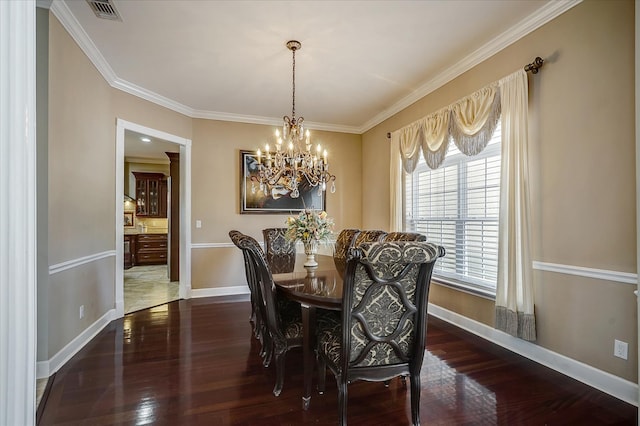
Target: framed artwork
x,y
253,200
128,219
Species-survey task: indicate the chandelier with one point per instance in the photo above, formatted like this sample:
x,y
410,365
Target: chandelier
x,y
293,160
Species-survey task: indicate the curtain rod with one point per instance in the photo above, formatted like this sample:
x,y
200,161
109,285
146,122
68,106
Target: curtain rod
x,y
533,67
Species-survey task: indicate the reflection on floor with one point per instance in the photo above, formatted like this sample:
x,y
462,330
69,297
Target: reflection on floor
x,y
144,287
147,286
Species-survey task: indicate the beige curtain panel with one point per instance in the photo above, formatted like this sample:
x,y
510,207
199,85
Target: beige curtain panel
x,y
514,291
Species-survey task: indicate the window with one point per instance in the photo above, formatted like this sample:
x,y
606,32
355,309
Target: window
x,y
456,206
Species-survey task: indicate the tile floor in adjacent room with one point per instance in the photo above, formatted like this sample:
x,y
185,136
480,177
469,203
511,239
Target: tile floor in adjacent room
x,y
147,286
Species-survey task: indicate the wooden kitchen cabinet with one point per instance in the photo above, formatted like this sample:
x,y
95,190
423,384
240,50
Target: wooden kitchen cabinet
x,y
151,249
129,251
151,194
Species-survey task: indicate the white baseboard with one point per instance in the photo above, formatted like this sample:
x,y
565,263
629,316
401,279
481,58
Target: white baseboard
x,y
45,369
220,291
618,387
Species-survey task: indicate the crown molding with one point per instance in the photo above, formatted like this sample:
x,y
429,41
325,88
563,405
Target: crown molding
x,y
550,11
547,13
150,96
71,24
270,121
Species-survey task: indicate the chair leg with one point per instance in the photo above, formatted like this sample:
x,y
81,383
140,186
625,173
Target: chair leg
x,y
267,351
415,398
322,374
342,400
279,373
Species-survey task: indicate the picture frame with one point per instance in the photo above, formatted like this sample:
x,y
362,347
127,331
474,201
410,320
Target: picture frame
x,y
128,220
255,201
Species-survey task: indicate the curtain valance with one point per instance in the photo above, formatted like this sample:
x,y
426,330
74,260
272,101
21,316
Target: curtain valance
x,y
470,122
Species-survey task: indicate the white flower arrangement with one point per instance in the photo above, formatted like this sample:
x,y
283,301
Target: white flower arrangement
x,y
309,225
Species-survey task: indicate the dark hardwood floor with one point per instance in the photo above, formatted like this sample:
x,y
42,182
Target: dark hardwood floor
x,y
196,362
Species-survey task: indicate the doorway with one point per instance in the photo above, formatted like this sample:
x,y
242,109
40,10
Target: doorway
x,y
151,151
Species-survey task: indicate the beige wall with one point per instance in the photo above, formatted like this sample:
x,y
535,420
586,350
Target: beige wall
x,y
42,167
81,169
215,182
83,110
81,153
582,177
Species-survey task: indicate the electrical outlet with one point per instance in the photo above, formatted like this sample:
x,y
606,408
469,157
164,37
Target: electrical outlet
x,y
620,349
198,224
81,311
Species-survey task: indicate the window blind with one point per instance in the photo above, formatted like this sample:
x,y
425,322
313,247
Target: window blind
x,y
456,206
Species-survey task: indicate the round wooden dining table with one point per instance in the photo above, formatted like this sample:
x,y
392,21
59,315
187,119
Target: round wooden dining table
x,y
312,288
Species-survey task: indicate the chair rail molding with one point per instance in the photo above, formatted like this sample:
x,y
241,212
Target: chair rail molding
x,y
74,263
600,274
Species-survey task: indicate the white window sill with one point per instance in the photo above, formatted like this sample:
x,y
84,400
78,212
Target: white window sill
x,y
465,287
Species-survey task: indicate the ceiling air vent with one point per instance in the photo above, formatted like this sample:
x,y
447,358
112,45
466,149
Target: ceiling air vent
x,y
104,9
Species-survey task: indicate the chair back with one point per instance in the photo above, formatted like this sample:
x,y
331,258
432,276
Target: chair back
x,y
266,289
369,236
384,304
404,236
344,242
280,251
237,238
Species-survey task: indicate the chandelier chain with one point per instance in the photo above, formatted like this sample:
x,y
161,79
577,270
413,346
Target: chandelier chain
x,y
293,110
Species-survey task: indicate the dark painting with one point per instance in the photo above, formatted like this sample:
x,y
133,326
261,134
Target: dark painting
x,y
279,200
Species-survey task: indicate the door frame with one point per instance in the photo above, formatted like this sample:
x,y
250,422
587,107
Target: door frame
x,y
184,291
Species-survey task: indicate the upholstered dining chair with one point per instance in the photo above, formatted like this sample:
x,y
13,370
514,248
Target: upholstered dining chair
x,y
344,242
258,315
281,252
283,318
368,236
382,330
404,236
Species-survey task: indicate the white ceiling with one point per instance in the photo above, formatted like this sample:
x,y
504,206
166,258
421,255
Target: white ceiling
x,y
360,62
137,148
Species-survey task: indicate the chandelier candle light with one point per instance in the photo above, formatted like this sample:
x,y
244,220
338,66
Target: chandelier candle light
x,y
289,164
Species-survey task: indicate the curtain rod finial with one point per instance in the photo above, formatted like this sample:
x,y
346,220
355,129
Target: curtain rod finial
x,y
535,65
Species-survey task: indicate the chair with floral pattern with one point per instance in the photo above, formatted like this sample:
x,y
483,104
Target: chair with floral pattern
x,y
369,236
344,242
280,251
404,236
381,333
